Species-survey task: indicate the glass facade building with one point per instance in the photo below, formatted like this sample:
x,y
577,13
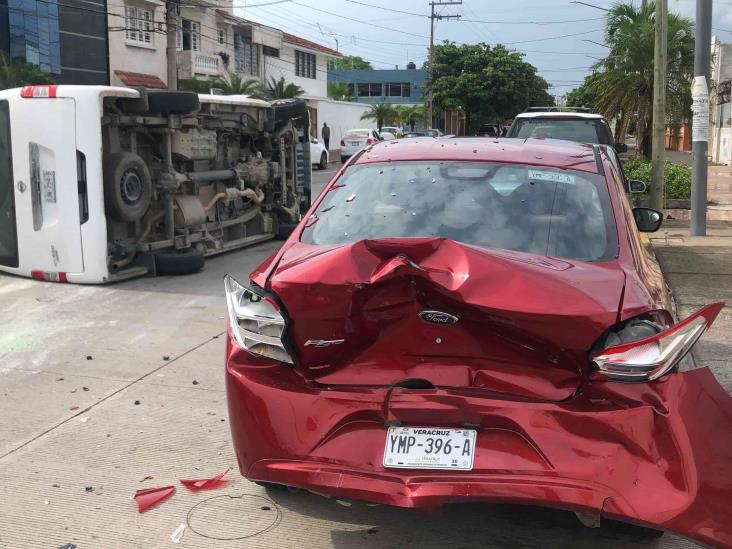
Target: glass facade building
x,y
32,28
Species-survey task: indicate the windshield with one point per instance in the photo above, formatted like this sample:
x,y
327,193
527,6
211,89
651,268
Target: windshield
x,y
546,211
570,129
8,237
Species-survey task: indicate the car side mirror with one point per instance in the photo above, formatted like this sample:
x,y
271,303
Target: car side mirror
x,y
635,186
621,148
647,220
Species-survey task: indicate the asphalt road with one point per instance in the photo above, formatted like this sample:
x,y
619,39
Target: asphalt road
x,y
321,177
102,386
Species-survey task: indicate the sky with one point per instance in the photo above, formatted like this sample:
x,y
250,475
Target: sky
x,y
387,38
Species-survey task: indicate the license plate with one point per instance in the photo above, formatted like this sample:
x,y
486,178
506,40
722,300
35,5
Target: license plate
x,y
429,448
355,143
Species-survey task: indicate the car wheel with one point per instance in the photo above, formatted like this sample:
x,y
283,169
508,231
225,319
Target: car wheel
x,y
172,102
179,262
127,186
323,161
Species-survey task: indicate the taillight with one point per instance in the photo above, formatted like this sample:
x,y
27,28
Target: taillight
x,y
649,358
49,276
370,141
257,324
46,91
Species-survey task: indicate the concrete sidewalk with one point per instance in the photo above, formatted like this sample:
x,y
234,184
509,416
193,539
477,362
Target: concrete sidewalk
x,y
699,271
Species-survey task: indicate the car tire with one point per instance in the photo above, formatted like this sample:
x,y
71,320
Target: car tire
x,y
181,262
323,161
127,186
173,102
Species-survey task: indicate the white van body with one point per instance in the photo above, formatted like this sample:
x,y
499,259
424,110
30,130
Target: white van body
x,y
188,182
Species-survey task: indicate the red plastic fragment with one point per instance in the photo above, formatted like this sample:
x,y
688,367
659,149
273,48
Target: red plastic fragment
x,y
74,408
205,483
150,497
148,477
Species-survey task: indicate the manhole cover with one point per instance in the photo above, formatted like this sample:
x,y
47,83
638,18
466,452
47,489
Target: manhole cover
x,y
234,517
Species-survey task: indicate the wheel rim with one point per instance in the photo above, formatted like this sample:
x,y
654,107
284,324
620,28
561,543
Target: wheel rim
x,y
322,160
131,187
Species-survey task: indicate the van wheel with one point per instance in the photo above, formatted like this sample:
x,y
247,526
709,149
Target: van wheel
x,y
127,186
323,162
179,262
172,102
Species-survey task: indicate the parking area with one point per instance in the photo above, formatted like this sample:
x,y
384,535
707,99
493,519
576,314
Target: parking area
x,y
103,386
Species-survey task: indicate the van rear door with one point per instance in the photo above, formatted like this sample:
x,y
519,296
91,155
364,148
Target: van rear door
x,y
43,132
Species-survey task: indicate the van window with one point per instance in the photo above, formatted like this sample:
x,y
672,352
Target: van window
x,y
8,232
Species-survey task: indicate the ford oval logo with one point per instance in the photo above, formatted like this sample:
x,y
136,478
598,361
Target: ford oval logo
x,y
437,317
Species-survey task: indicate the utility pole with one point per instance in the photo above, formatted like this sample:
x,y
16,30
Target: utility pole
x,y
433,17
660,61
171,37
700,121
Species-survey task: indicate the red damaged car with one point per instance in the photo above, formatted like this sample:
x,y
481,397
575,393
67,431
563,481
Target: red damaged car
x,y
467,320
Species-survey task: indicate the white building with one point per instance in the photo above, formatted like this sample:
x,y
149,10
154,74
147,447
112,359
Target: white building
x,y
720,106
211,41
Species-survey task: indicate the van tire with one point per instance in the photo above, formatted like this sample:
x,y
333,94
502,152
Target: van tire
x,y
323,161
172,102
127,186
180,262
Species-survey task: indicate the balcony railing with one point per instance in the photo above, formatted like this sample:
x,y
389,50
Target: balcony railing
x,y
206,64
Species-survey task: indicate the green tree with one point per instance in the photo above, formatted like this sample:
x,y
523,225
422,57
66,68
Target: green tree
x,y
624,87
280,89
232,83
14,74
584,95
339,91
381,113
196,85
414,114
488,83
348,62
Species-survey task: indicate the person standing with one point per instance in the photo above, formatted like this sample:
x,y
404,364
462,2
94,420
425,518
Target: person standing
x,y
326,136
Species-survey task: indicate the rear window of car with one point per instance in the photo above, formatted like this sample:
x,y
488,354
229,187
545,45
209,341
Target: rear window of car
x,y
540,210
570,129
358,133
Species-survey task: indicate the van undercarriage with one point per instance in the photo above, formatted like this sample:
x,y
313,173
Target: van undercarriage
x,y
186,178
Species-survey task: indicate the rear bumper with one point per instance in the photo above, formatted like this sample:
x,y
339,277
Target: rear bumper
x,y
653,454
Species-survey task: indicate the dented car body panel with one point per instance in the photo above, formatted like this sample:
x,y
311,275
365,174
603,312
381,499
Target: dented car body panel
x,y
424,330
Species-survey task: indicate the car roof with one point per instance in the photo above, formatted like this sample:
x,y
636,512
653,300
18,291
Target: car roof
x,y
539,152
558,114
360,130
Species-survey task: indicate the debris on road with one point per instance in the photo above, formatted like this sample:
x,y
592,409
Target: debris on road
x,y
205,483
84,419
89,357
195,382
89,488
148,477
68,546
178,533
73,408
137,403
85,388
150,497
166,357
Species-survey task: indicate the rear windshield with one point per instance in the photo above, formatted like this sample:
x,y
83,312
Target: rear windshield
x,y
570,129
358,133
8,236
546,211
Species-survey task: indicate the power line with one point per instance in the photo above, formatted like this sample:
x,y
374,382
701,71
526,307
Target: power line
x,y
388,9
552,37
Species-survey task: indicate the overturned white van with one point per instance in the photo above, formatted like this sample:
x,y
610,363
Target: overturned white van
x,y
101,183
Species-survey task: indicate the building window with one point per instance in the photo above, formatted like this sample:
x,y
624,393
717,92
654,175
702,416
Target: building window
x,y
139,25
398,89
270,51
246,55
190,38
304,64
222,36
369,90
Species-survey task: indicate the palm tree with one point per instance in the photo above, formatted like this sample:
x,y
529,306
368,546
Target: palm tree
x,y
196,85
379,113
232,83
339,91
400,115
14,74
414,114
624,85
280,89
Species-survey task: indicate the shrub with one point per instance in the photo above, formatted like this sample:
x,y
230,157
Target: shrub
x,y
676,176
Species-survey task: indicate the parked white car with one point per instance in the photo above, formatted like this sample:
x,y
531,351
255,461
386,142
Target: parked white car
x,y
387,136
397,132
318,154
357,139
